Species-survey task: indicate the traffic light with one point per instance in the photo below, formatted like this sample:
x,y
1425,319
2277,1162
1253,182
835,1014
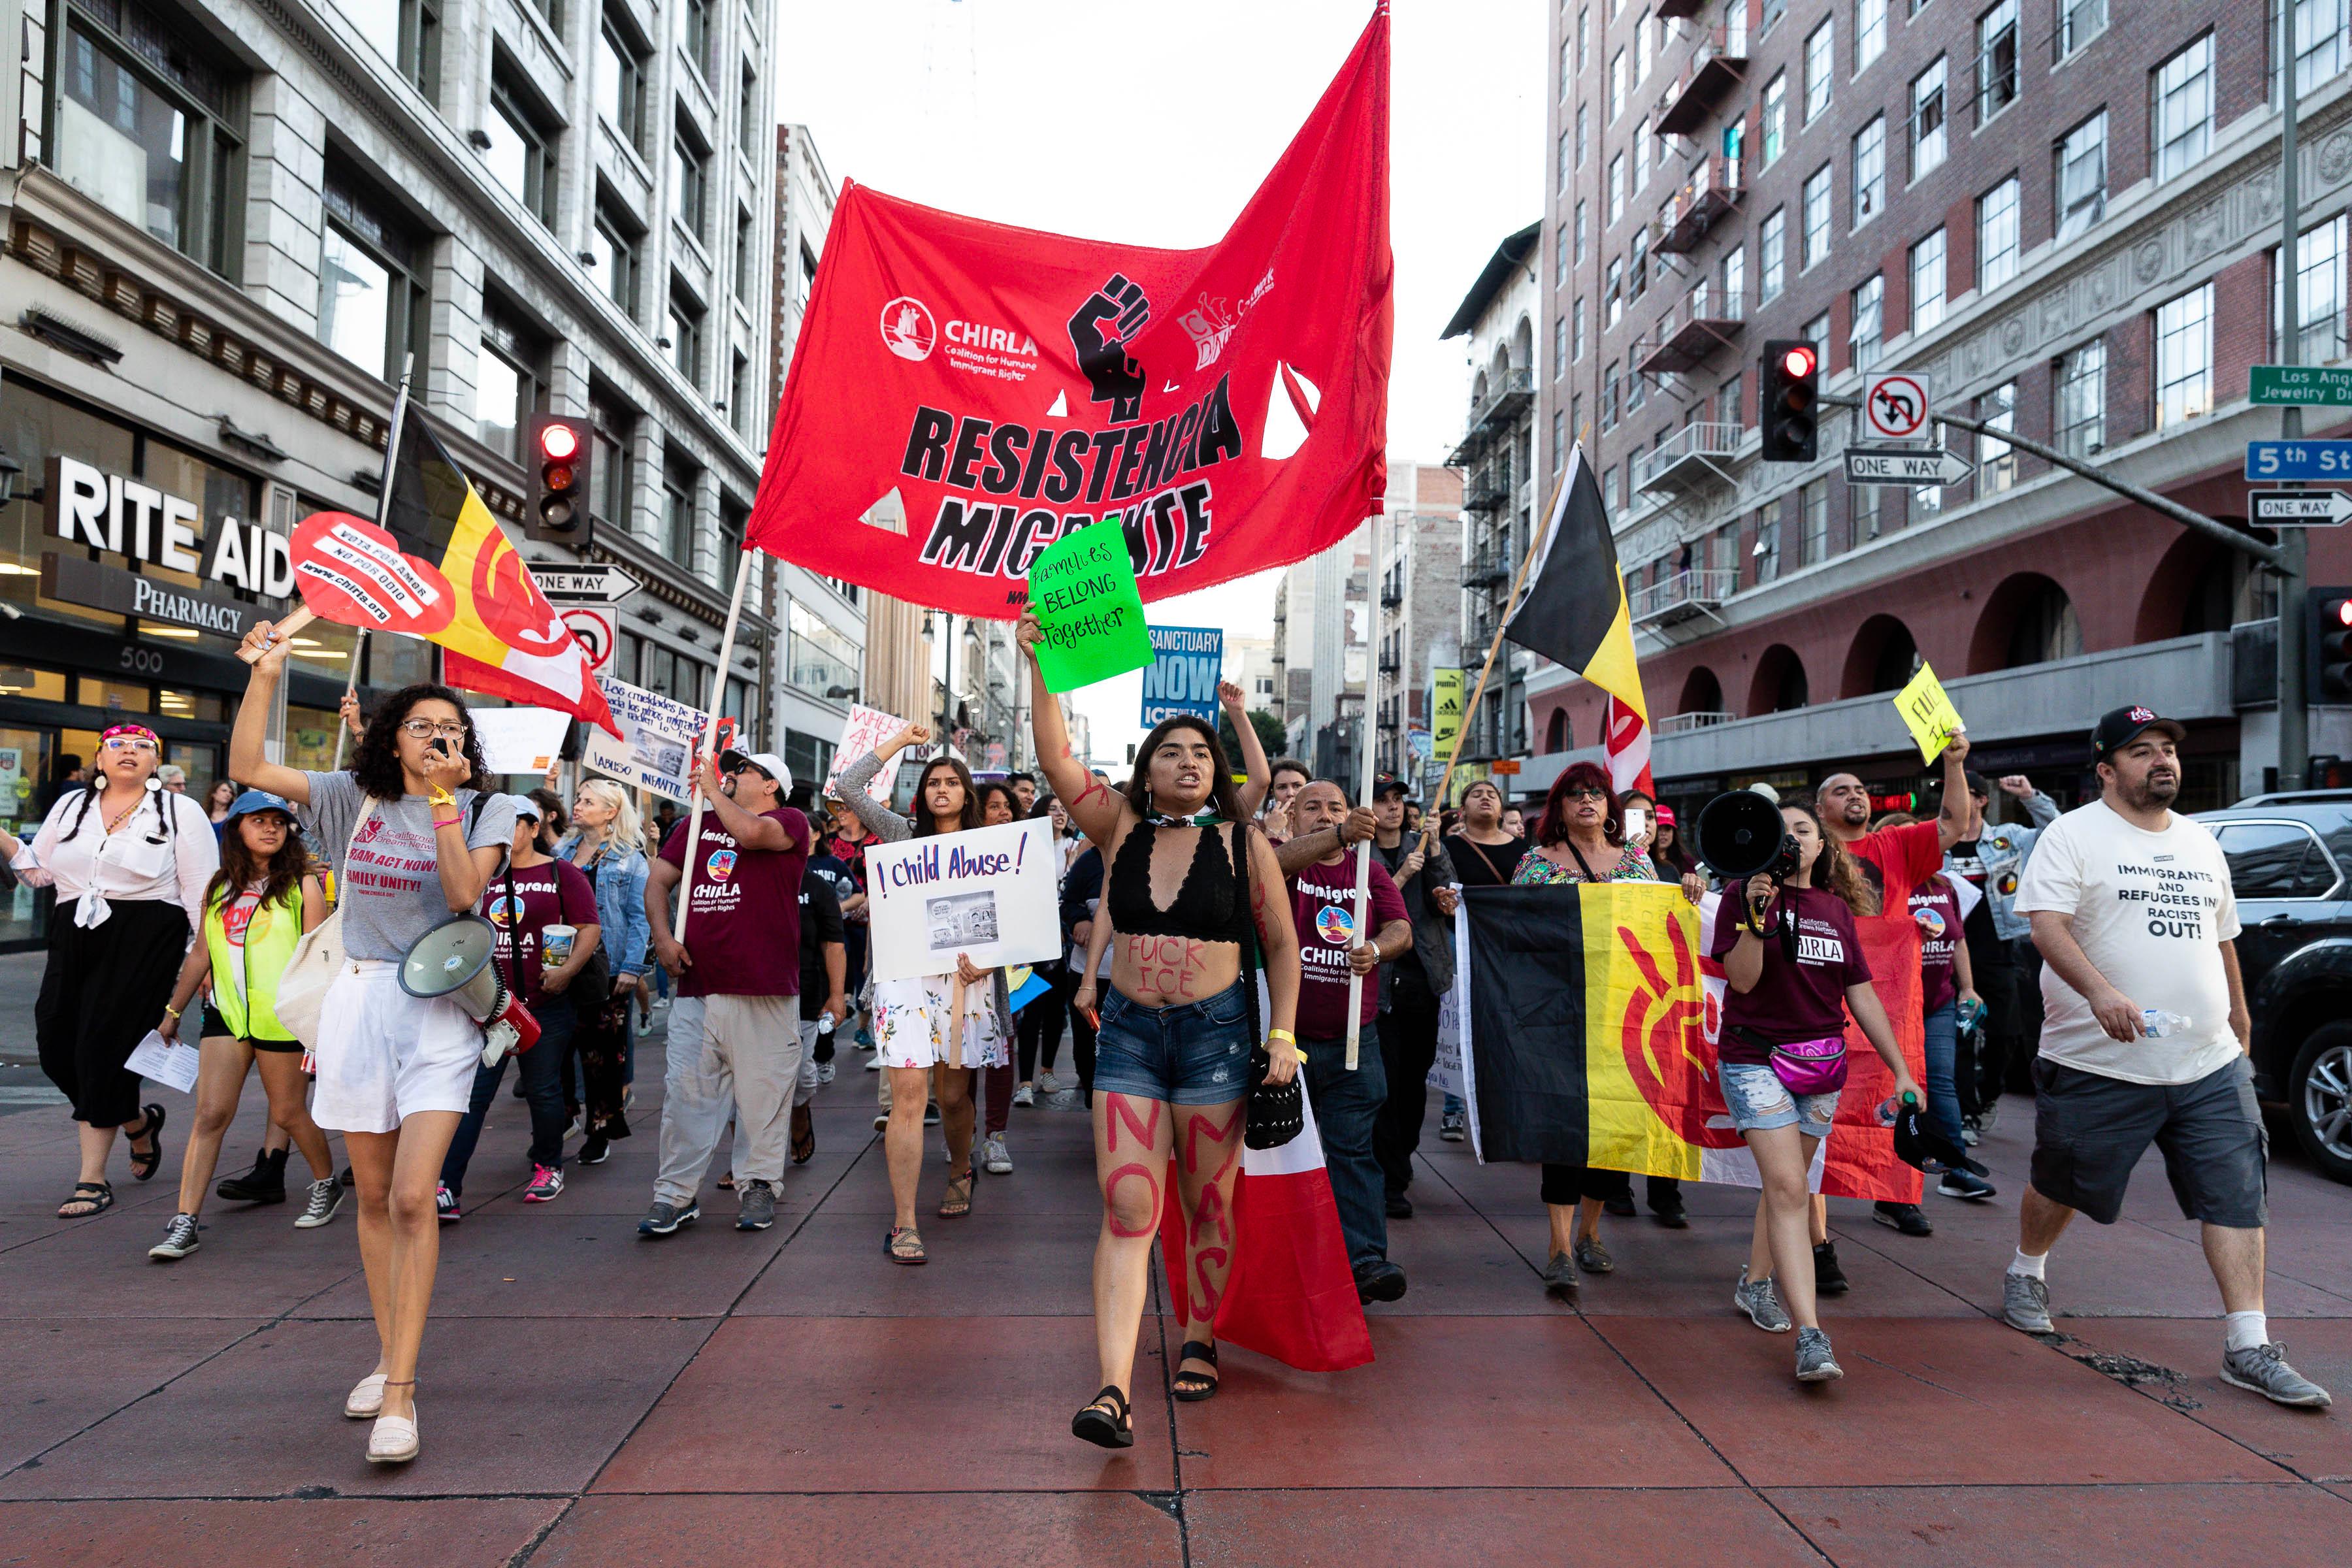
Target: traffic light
x,y
2328,669
558,449
1791,383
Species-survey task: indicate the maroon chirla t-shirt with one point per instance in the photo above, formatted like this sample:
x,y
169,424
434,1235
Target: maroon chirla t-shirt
x,y
554,894
1323,903
1799,1001
1938,911
743,916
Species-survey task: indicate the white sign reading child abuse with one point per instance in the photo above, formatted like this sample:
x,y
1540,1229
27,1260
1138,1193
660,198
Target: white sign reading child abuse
x,y
989,894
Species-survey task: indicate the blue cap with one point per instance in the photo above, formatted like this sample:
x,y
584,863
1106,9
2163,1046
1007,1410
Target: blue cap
x,y
255,800
526,806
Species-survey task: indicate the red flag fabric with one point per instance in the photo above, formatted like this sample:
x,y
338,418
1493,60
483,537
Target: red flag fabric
x,y
1290,1294
974,391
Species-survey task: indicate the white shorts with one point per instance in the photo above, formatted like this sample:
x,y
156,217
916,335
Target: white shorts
x,y
911,1026
384,1056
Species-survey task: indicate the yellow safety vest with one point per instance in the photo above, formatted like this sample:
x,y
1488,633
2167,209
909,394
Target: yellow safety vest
x,y
250,1008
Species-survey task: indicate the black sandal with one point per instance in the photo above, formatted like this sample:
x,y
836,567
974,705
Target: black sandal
x,y
1191,1387
1105,1428
100,1196
144,1167
956,1205
804,1142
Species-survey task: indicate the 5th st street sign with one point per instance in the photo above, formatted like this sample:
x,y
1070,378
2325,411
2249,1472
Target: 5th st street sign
x,y
2299,508
1907,466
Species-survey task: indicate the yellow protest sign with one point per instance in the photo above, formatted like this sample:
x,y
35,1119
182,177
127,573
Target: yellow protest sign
x,y
1928,713
1446,694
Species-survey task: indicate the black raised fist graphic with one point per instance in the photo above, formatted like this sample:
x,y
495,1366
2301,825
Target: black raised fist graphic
x,y
1099,332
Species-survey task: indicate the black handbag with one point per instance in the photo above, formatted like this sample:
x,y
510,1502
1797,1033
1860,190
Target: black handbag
x,y
1277,1111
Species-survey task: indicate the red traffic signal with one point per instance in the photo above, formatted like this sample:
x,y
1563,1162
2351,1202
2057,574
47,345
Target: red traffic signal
x,y
1791,369
559,450
2327,662
1799,361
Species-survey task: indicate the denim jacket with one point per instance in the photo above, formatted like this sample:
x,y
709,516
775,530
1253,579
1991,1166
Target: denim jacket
x,y
620,904
2002,851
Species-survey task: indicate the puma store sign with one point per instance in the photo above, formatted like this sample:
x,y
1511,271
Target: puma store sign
x,y
88,505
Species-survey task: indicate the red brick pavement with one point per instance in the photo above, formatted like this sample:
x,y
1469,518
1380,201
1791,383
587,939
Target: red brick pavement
x,y
590,1400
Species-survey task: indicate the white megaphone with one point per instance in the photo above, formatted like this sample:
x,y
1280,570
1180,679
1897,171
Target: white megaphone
x,y
454,960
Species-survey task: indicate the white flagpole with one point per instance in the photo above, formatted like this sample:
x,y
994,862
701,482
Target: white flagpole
x,y
1364,781
709,728
382,520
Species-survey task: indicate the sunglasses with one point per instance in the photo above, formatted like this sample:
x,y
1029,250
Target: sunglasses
x,y
1583,792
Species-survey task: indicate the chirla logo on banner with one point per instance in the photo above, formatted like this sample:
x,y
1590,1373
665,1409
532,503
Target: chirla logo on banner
x,y
989,895
656,750
1187,663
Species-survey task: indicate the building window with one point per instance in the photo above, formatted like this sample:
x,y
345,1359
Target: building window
x,y
746,113
148,128
2319,40
1637,266
1773,10
1995,458
1609,398
620,80
1616,189
1821,54
1579,234
1576,331
1997,234
405,32
824,663
739,394
1583,132
1817,332
1612,295
1869,171
1616,85
1813,507
1776,120
2079,21
1642,49
372,302
688,182
1773,256
1637,387
1927,282
678,481
1996,60
521,155
2319,293
2080,177
2080,398
2184,358
1869,32
1559,257
1768,545
1862,512
1560,344
1728,408
612,488
1559,439
1566,68
613,247
747,254
697,36
1869,333
1561,177
510,378
1928,120
2181,93
1584,36
686,318
1817,215
1641,155
1735,281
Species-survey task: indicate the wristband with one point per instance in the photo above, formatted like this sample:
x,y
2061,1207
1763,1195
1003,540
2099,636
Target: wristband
x,y
1302,1057
1282,1034
171,1010
439,822
440,797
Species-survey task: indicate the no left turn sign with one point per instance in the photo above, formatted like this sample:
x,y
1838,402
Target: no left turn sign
x,y
1894,406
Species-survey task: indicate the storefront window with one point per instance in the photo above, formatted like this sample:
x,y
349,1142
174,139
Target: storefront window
x,y
33,426
396,662
117,696
311,739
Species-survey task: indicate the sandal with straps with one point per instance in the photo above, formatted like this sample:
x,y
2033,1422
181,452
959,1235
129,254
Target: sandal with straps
x,y
955,1205
1191,1387
98,1195
904,1246
1105,1428
144,1165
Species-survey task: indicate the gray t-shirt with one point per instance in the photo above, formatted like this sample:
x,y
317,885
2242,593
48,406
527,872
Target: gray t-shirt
x,y
388,885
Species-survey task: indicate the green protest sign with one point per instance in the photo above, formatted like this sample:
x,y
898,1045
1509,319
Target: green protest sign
x,y
1083,589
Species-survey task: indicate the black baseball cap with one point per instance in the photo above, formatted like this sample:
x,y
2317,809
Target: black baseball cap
x,y
2122,726
1388,784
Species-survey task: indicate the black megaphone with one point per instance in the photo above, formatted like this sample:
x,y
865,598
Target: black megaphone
x,y
1741,835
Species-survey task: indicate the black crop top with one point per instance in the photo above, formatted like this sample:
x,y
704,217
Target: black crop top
x,y
1209,904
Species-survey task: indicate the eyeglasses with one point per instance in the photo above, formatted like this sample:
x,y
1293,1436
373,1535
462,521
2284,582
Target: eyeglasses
x,y
127,743
1583,792
429,729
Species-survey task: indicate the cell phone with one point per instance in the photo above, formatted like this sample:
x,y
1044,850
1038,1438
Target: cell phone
x,y
1637,822
441,744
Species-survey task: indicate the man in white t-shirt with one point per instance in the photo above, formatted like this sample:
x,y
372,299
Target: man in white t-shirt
x,y
2143,1039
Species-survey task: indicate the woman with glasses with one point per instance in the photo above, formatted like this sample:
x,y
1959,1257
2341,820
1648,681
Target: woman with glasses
x,y
130,861
1581,837
412,846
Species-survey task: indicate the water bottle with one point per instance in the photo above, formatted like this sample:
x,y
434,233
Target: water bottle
x,y
2158,1024
1970,1013
1891,1107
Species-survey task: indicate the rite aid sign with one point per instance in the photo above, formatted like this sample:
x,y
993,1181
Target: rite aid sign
x,y
106,512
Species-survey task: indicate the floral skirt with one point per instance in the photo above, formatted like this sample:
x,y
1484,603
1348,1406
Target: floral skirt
x,y
913,1029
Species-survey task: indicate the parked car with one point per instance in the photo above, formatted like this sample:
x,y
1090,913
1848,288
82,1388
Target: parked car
x,y
2291,867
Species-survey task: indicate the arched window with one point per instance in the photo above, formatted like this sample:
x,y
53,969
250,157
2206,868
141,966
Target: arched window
x,y
1556,732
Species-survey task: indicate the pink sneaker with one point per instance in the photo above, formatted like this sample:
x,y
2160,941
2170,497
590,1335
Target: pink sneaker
x,y
546,1181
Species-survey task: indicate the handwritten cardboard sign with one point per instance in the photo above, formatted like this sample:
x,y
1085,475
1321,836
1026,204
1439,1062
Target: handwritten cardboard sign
x,y
989,894
656,748
1928,713
1083,589
867,728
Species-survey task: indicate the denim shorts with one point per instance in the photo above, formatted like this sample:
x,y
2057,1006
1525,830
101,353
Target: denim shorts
x,y
1197,1053
1758,1101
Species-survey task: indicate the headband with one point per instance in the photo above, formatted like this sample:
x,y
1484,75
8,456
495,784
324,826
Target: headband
x,y
133,730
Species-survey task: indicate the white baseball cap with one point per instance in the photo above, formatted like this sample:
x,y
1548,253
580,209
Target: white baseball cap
x,y
767,762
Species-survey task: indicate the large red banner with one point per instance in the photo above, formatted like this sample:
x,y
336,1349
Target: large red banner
x,y
972,392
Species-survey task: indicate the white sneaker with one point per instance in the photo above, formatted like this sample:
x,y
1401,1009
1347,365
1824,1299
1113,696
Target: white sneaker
x,y
1025,1095
996,1156
874,1062
825,1072
1048,1084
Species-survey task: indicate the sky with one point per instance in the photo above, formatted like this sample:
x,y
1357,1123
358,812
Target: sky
x,y
988,108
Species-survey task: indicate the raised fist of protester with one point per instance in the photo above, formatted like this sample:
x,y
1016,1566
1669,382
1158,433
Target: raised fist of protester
x,y
1099,331
350,708
1956,748
912,735
1358,825
2016,784
1229,697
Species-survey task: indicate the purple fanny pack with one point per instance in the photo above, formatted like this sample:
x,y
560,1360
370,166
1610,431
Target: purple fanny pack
x,y
1810,1067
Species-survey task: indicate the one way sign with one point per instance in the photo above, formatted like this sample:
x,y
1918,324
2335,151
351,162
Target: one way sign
x,y
1910,466
2300,508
